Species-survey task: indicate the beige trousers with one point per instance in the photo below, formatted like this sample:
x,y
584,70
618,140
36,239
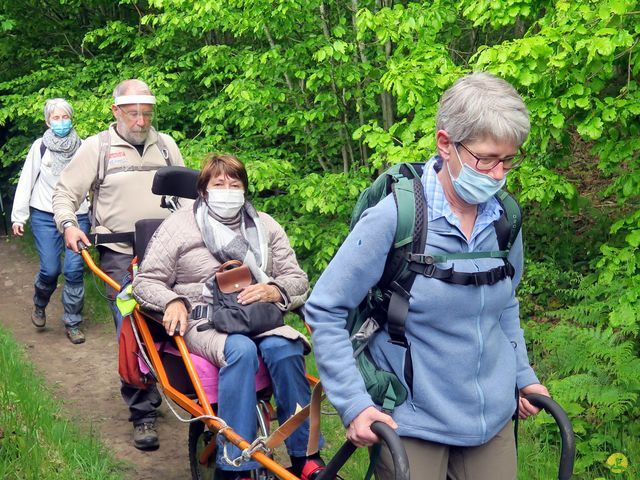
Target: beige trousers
x,y
495,460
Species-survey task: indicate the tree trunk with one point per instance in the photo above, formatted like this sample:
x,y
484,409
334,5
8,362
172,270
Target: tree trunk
x,y
386,98
364,153
272,44
347,148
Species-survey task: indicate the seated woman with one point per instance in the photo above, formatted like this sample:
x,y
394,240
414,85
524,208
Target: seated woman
x,y
184,253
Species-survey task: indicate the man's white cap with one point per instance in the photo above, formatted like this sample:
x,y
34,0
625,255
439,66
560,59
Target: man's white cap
x,y
131,99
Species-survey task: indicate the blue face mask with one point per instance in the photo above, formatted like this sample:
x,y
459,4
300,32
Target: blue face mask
x,y
472,186
61,128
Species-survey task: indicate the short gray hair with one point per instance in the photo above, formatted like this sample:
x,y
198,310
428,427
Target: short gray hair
x,y
481,105
131,86
54,103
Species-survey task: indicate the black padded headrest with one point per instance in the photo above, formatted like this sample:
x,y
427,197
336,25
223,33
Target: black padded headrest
x,y
176,182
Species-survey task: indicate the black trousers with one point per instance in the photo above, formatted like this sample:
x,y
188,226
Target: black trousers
x,y
142,403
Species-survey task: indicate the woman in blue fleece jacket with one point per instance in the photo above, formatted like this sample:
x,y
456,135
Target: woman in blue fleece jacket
x,y
468,349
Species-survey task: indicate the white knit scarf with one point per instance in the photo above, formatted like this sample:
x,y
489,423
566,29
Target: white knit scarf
x,y
249,245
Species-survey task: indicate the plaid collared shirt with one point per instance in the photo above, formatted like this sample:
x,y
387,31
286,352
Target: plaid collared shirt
x,y
438,206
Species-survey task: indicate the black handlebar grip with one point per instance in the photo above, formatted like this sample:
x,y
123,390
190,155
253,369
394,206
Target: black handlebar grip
x,y
398,453
568,451
389,436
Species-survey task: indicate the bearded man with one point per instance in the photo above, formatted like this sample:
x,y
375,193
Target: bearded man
x,y
117,166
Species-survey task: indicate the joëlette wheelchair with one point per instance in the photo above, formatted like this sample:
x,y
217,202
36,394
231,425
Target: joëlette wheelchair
x,y
190,381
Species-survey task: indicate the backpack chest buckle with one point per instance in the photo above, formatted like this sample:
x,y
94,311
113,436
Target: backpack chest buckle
x,y
429,270
486,278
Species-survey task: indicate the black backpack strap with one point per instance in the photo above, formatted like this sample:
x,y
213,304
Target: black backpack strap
x,y
399,291
507,228
449,275
509,224
103,238
397,279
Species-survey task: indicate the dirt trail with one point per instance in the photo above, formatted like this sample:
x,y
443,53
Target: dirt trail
x,y
85,376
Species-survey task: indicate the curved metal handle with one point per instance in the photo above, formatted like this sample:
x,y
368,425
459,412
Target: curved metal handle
x,y
389,436
568,452
398,453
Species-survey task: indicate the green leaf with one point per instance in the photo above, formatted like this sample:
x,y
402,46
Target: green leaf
x,y
557,120
633,238
583,102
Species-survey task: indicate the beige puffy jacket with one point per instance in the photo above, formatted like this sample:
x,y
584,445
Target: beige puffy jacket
x,y
177,264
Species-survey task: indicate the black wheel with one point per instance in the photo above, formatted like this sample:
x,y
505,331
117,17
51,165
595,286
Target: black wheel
x,y
199,438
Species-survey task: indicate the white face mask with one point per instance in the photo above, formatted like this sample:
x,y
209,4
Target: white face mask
x,y
472,186
225,202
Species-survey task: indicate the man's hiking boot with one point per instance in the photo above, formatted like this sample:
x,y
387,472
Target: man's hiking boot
x,y
75,335
145,436
38,317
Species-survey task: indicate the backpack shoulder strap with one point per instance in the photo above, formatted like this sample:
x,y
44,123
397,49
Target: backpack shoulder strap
x,y
411,237
408,194
37,165
162,146
104,146
509,224
388,302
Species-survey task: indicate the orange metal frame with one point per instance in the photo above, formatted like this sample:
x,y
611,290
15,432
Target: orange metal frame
x,y
195,409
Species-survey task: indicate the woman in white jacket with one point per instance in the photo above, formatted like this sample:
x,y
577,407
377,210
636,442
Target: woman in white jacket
x,y
47,158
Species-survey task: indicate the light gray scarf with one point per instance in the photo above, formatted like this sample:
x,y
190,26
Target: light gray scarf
x,y
249,245
62,149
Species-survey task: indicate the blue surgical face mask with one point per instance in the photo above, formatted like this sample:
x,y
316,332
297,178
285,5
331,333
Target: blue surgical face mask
x,y
472,186
61,128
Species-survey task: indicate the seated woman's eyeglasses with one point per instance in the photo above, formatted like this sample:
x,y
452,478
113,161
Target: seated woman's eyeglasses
x,y
484,164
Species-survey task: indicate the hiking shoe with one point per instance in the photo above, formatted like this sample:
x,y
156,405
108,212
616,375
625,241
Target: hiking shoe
x,y
145,436
38,317
75,335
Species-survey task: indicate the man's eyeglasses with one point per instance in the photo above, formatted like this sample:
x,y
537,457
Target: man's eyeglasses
x,y
485,164
136,114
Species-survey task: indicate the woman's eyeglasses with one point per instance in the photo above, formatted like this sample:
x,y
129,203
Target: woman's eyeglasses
x,y
484,164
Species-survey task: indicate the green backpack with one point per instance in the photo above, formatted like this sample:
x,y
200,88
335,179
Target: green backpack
x,y
387,303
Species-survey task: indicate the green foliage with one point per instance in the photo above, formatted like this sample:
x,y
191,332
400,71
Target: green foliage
x,y
585,344
318,96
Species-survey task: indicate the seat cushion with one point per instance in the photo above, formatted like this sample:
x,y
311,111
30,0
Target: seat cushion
x,y
208,372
